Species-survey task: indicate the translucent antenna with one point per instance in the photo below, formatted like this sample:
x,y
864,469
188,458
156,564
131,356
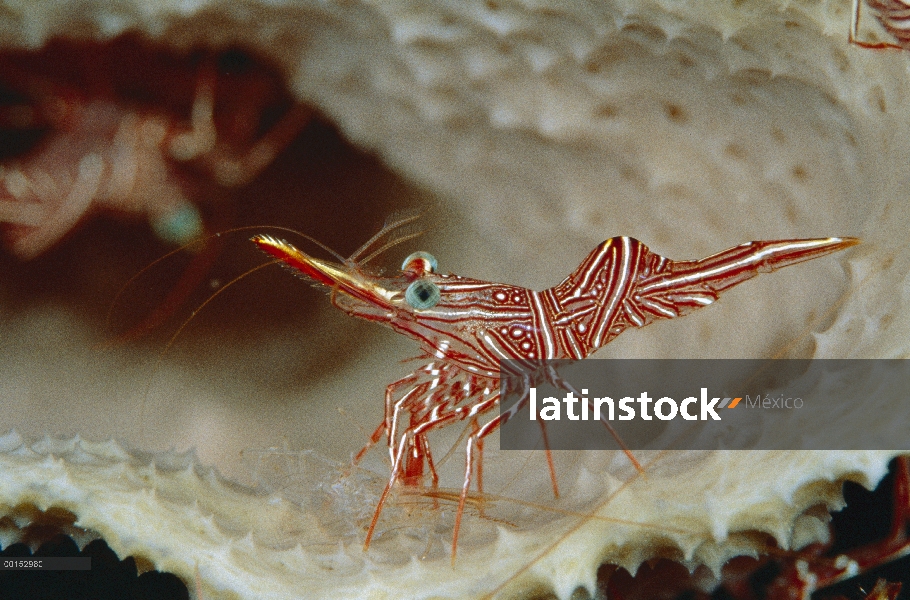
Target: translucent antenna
x,y
402,237
395,221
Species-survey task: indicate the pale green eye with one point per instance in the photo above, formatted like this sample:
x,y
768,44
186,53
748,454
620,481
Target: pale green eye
x,y
420,262
422,294
180,225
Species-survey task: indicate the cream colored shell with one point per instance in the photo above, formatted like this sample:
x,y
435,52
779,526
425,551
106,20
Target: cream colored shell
x,y
694,507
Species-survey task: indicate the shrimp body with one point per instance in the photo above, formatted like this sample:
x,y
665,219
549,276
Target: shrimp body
x,y
467,327
894,17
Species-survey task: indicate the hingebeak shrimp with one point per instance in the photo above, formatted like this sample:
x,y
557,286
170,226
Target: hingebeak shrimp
x,y
465,327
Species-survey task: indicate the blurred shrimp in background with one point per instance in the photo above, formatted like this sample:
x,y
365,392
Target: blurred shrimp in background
x,y
128,128
134,131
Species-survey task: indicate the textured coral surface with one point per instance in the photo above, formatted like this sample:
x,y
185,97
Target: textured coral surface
x,y
541,129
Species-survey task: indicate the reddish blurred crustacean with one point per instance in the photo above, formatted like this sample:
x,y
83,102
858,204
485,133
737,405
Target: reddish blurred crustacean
x,y
127,128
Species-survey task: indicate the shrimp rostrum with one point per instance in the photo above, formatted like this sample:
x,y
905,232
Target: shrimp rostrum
x,y
466,327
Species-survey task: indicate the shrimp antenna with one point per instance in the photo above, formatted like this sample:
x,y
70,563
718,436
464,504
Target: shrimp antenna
x,y
394,222
183,326
391,244
202,243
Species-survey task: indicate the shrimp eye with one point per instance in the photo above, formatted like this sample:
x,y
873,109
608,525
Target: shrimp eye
x,y
420,263
422,294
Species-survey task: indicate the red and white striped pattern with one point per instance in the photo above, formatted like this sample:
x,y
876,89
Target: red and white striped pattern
x,y
894,15
621,284
477,324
